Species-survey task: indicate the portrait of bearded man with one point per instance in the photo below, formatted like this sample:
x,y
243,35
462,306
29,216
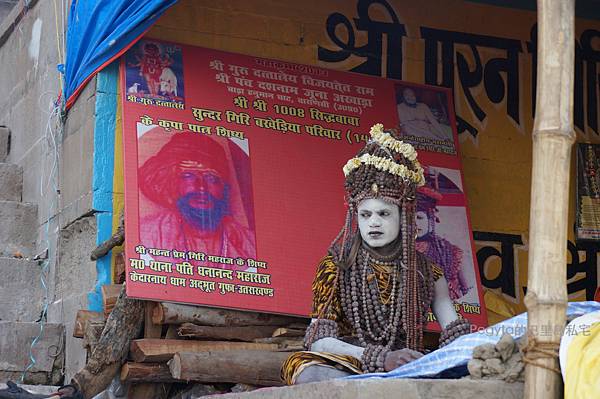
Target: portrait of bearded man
x,y
418,119
200,201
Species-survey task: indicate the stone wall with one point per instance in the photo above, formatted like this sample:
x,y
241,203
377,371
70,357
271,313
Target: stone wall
x,y
57,163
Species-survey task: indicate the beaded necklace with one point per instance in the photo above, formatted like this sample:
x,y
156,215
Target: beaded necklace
x,y
374,319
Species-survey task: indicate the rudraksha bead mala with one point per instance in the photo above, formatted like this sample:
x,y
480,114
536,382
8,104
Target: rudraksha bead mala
x,y
318,329
373,358
457,328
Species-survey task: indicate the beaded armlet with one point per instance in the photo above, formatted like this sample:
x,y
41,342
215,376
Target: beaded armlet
x,y
454,330
373,358
320,328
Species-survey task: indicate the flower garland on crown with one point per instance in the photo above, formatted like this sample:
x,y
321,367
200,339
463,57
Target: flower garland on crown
x,y
386,140
387,165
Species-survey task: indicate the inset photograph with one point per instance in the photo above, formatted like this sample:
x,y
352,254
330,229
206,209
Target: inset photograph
x,y
424,118
195,194
154,71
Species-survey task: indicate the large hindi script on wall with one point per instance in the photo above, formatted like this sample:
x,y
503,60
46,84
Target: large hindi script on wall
x,y
233,175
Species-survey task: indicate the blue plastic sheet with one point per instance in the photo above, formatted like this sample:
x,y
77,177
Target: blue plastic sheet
x,y
98,31
455,356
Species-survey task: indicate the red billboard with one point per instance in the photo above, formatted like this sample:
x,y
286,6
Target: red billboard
x,y
234,182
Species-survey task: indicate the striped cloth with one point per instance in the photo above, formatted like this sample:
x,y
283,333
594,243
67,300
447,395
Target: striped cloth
x,y
459,352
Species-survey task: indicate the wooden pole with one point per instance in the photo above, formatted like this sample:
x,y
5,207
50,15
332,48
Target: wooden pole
x,y
110,294
151,330
83,318
146,372
161,350
553,138
117,239
239,366
123,325
247,333
173,313
150,388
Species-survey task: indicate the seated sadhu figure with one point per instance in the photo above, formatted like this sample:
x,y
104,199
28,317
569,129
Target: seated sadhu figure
x,y
372,292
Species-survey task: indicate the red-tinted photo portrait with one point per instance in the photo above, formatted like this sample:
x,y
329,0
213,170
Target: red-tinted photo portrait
x,y
196,194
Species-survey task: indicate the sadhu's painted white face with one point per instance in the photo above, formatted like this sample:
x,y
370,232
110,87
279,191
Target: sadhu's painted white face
x,y
422,223
378,222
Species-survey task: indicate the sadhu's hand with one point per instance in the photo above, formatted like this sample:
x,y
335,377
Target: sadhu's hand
x,y
398,358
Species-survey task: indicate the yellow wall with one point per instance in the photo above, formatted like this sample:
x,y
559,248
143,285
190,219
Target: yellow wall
x,y
497,162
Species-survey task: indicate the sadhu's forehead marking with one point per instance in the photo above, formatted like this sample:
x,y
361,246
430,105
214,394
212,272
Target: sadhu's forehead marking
x,y
194,165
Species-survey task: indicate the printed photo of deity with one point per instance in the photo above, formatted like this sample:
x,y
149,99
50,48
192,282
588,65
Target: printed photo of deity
x,y
154,71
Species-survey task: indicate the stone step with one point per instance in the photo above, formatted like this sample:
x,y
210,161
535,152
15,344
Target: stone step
x,y
391,388
4,143
18,227
21,292
35,389
15,342
11,182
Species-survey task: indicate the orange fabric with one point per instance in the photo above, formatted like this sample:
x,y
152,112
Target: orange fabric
x,y
158,173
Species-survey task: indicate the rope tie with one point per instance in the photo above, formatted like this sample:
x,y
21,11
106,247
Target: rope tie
x,y
535,350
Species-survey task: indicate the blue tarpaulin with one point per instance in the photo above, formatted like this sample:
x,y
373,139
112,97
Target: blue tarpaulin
x,y
99,31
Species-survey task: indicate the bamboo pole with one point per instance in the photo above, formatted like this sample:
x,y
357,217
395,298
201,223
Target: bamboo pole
x,y
553,138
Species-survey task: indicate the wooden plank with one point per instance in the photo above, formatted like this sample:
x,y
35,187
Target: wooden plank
x,y
172,313
285,344
82,318
123,325
171,332
303,325
110,293
146,372
119,269
239,366
114,241
248,333
151,330
162,350
148,390
280,340
93,332
151,388
289,332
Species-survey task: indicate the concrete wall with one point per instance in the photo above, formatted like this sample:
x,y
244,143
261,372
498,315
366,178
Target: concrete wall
x,y
30,83
5,7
